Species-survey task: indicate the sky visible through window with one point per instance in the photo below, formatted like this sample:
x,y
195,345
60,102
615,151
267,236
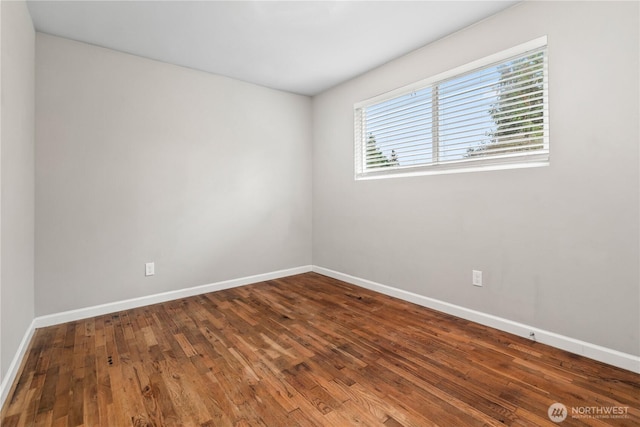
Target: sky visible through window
x,y
465,119
403,127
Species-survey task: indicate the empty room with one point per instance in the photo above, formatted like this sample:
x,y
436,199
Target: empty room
x,y
319,213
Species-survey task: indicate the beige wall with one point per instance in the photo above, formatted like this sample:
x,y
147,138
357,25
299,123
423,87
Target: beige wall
x,y
16,179
142,161
558,245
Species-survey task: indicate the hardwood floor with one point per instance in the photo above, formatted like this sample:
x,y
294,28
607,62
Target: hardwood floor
x,y
305,350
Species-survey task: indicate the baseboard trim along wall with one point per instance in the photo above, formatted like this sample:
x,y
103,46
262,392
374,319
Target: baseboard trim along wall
x,y
98,310
14,367
592,351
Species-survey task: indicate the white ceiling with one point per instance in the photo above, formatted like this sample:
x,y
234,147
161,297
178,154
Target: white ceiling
x,y
303,47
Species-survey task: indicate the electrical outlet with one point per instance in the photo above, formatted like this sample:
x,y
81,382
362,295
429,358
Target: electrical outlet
x,y
477,277
150,269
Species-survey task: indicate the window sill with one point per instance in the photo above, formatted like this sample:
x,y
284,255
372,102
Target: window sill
x,y
447,169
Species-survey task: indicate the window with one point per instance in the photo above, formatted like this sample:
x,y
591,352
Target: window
x,y
492,113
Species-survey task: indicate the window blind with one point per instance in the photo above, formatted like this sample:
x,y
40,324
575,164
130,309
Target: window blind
x,y
493,114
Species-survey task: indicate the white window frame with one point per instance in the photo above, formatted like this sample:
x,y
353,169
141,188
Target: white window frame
x,y
526,159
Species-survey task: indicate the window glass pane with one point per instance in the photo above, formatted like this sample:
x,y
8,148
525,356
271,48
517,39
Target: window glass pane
x,y
465,121
494,111
399,131
518,113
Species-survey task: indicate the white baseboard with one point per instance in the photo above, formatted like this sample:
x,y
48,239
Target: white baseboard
x,y
84,313
592,351
14,367
98,310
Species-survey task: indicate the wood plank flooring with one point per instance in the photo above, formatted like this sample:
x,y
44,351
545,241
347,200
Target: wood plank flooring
x,y
305,350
